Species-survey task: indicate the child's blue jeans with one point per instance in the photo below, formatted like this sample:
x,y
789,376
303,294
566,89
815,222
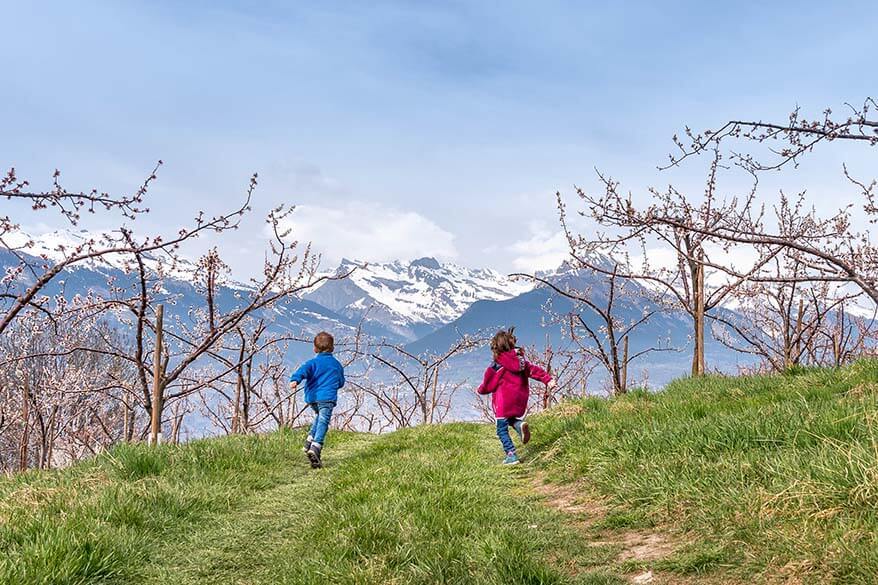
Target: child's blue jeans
x,y
323,412
503,425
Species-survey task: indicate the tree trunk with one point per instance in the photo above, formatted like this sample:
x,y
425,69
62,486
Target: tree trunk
x,y
46,432
800,321
126,422
624,381
236,412
550,354
246,395
422,395
175,428
435,387
50,450
838,337
25,430
614,365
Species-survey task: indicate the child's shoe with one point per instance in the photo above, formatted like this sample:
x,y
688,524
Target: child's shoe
x,y
511,459
308,442
314,455
523,430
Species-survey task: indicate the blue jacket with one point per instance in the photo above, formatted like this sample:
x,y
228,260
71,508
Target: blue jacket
x,y
324,375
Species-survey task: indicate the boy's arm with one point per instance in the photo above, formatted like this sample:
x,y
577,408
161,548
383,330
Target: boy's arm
x,y
341,369
303,373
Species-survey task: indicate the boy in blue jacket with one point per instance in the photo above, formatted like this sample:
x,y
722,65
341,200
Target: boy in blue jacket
x,y
323,376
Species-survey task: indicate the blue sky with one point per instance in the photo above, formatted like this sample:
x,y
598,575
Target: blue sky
x,y
403,129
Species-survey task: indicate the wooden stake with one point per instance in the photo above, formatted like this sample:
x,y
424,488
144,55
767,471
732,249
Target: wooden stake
x,y
624,376
698,365
157,390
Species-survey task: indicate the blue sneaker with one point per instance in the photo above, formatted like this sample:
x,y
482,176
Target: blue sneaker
x,y
511,459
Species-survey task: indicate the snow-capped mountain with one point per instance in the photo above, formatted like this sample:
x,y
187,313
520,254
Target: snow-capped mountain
x,y
181,296
56,246
413,298
534,314
52,245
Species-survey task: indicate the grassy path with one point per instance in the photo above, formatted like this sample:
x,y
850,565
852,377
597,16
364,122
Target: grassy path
x,y
420,506
424,506
237,547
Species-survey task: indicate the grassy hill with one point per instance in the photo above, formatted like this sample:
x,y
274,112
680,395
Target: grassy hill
x,y
719,480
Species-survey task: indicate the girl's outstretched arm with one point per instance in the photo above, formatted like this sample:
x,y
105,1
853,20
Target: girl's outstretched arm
x,y
537,373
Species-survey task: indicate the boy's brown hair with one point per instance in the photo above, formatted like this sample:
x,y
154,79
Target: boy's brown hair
x,y
502,342
324,342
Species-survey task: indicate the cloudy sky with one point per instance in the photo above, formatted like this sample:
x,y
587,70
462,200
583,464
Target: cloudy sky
x,y
404,129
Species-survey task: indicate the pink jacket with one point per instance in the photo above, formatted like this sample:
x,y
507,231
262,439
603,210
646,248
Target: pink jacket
x,y
507,381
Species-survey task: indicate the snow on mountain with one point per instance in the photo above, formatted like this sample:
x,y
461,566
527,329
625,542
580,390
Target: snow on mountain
x,y
57,245
413,298
179,295
54,245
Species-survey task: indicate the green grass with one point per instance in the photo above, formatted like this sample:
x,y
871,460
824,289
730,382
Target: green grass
x,y
751,479
102,521
760,476
426,505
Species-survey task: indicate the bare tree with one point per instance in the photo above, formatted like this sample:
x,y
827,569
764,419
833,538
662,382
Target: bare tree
x,y
831,249
253,395
850,337
419,395
686,284
25,281
19,293
827,246
786,322
60,403
146,264
202,331
569,367
606,338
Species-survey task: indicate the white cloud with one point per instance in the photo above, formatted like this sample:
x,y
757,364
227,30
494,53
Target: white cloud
x,y
659,257
370,232
547,246
545,249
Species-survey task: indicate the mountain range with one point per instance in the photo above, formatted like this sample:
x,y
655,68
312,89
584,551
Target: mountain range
x,y
423,304
415,298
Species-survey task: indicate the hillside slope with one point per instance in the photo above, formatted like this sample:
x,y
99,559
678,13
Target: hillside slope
x,y
720,480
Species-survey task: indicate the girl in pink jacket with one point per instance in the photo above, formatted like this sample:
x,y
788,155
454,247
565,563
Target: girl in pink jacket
x,y
506,379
